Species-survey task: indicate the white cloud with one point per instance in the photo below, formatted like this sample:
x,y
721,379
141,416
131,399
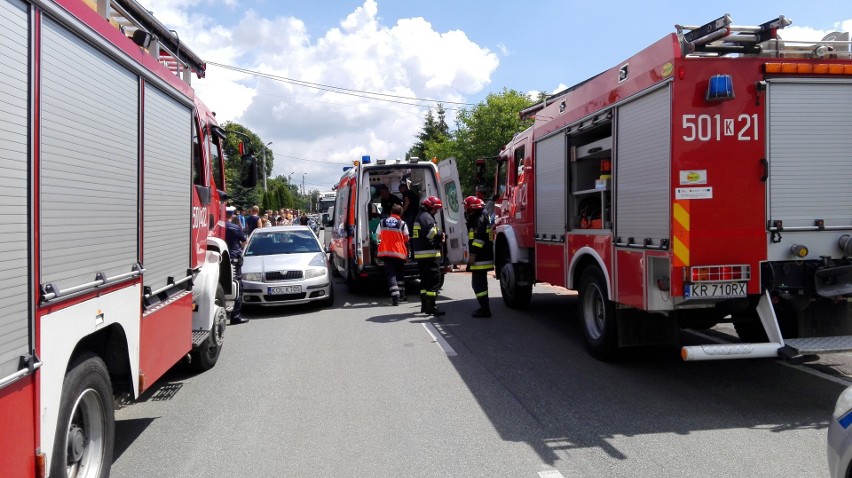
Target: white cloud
x,y
806,33
407,59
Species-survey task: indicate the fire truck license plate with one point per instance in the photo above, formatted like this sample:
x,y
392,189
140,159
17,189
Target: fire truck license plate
x,y
286,289
727,289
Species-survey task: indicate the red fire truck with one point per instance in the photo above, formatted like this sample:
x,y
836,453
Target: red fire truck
x,y
112,255
704,179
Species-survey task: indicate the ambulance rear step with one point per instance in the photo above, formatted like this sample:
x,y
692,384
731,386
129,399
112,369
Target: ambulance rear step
x,y
790,349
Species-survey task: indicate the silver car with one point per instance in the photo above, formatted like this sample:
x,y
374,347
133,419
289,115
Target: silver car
x,y
285,265
840,437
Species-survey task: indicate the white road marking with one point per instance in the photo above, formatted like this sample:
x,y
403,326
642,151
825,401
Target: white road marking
x,y
801,368
439,340
550,474
359,304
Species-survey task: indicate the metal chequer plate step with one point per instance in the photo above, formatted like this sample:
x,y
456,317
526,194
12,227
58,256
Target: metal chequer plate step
x,y
199,336
818,345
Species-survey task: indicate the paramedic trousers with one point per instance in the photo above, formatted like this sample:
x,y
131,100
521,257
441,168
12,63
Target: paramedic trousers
x,y
395,272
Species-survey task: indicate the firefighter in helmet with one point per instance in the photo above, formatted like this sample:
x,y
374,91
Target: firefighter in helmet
x,y
481,259
427,240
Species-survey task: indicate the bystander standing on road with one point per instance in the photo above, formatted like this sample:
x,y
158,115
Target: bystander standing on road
x,y
240,217
254,220
236,240
393,249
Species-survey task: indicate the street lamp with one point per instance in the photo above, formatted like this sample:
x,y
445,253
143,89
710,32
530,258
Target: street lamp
x,y
265,157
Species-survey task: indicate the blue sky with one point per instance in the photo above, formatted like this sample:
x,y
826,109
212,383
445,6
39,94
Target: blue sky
x,y
452,50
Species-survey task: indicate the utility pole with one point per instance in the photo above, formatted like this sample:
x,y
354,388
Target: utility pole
x,y
303,184
265,157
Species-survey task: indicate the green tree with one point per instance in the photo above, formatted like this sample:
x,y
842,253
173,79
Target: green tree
x,y
434,131
234,168
482,131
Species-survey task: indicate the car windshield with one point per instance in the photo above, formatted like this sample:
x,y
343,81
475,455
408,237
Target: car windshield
x,y
282,242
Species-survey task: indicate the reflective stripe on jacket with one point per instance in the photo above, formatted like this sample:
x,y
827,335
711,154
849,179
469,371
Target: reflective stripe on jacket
x,y
481,244
393,237
426,237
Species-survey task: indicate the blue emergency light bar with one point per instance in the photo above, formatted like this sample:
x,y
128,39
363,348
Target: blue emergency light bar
x,y
365,159
720,88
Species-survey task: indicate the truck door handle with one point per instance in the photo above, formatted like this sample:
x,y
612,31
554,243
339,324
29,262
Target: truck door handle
x,y
765,164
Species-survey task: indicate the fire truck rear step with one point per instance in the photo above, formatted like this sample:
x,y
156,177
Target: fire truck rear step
x,y
790,349
199,336
820,345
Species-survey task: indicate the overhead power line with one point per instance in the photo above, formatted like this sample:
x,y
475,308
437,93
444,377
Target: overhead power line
x,y
337,89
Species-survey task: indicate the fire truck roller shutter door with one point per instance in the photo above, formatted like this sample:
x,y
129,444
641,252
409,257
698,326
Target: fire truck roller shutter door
x,y
809,120
551,183
166,195
89,162
642,167
14,272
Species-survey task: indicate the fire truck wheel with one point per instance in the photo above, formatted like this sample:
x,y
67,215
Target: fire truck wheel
x,y
750,329
85,430
207,354
598,314
515,296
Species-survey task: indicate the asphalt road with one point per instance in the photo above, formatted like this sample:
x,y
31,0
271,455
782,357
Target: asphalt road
x,y
364,390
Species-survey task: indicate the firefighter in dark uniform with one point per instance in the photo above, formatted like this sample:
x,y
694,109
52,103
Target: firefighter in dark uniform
x,y
426,240
481,252
236,240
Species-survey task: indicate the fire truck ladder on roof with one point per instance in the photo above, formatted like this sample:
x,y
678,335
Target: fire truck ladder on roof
x,y
720,37
163,44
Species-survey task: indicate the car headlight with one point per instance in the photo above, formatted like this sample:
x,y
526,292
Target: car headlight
x,y
844,403
318,260
315,272
253,276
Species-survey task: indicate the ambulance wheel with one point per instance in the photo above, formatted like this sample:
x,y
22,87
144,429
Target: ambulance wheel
x,y
205,356
85,430
598,315
515,296
353,285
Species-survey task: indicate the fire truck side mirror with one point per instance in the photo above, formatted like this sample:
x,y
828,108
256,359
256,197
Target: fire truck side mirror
x,y
249,171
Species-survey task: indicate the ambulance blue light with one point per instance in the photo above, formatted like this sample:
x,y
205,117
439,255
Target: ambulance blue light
x,y
365,160
720,88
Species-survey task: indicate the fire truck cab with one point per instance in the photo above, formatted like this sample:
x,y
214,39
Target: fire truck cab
x,y
353,249
704,179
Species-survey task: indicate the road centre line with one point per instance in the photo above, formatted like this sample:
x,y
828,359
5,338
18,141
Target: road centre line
x,y
439,340
802,368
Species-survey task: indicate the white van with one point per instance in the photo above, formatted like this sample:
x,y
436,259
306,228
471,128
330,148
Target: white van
x,y
353,250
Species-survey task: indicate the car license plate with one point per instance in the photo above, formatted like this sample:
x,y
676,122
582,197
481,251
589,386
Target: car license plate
x,y
286,289
713,290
